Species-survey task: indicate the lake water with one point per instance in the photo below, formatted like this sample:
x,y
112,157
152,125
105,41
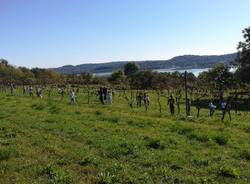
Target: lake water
x,y
194,71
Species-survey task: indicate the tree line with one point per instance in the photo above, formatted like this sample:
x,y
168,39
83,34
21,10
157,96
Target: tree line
x,y
217,80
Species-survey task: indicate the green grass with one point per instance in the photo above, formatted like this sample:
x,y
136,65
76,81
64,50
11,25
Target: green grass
x,y
51,141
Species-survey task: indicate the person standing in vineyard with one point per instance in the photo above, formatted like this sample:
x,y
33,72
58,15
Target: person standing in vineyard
x,y
139,99
198,106
109,97
30,91
12,88
188,106
39,92
226,107
101,95
24,90
72,97
212,108
178,100
61,92
146,100
171,104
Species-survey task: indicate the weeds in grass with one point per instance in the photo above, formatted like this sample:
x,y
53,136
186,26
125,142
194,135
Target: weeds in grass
x,y
201,162
56,175
105,178
6,154
88,161
114,144
228,172
53,109
245,155
199,137
118,151
221,139
38,106
155,144
98,113
111,119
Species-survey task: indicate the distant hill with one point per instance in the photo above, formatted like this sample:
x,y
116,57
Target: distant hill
x,y
180,62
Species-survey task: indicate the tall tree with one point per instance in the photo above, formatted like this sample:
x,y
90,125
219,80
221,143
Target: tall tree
x,y
243,59
218,79
116,78
130,69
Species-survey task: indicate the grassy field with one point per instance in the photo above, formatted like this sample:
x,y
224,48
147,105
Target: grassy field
x,y
51,141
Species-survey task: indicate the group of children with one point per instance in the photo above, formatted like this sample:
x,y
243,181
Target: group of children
x,y
29,91
225,108
39,90
142,97
106,95
172,101
225,105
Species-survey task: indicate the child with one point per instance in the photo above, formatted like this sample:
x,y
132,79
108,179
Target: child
x,y
72,98
226,107
171,104
212,108
109,97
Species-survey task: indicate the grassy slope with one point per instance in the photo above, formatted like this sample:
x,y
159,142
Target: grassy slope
x,y
50,141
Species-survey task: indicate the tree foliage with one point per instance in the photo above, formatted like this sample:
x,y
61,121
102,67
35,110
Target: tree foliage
x,y
130,69
218,79
116,78
244,57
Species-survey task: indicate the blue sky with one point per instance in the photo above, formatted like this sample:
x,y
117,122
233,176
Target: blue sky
x,y
51,33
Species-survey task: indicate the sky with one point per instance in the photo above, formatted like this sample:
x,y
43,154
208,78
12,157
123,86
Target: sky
x,y
53,33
